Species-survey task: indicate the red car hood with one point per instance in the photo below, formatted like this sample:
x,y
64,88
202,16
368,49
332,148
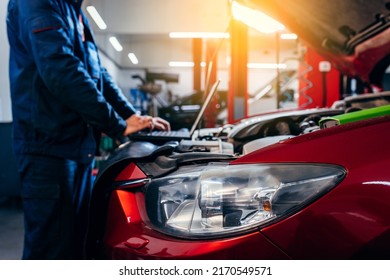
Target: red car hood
x,y
353,34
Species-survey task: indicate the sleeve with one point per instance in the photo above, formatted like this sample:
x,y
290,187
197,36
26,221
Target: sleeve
x,y
52,45
114,95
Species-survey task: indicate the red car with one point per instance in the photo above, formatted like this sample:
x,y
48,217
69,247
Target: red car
x,y
324,194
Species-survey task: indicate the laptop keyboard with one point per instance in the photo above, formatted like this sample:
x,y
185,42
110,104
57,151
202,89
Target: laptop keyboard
x,y
176,133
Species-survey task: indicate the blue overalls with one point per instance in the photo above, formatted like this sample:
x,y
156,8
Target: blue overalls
x,y
60,94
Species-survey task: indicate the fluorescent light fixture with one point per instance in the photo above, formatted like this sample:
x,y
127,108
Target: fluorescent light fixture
x,y
185,64
203,35
115,43
96,17
133,58
255,19
252,65
288,36
181,64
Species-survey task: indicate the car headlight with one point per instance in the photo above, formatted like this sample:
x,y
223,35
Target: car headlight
x,y
226,200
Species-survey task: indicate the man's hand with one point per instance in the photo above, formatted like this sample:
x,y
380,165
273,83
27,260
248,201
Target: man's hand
x,y
159,124
136,123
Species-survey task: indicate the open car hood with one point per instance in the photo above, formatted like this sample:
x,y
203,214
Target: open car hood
x,y
353,34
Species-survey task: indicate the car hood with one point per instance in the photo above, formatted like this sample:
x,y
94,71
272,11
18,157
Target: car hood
x,y
353,34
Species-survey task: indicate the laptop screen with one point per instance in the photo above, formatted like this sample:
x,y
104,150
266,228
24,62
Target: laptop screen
x,y
210,95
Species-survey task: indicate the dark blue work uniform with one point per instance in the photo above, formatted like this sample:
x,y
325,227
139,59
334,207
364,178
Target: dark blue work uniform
x,y
60,94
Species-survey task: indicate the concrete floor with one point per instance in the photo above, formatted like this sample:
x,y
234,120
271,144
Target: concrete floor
x,y
11,229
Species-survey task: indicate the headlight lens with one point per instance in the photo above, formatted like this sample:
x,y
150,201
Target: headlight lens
x,y
225,200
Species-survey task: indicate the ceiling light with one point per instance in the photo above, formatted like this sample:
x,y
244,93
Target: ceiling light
x,y
96,17
204,35
266,65
255,19
228,60
181,64
288,36
133,58
250,65
115,43
185,64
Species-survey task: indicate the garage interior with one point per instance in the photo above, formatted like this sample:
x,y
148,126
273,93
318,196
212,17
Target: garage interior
x,y
164,57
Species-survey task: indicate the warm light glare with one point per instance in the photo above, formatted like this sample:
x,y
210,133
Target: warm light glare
x,y
96,17
115,43
203,35
252,65
133,58
288,36
255,19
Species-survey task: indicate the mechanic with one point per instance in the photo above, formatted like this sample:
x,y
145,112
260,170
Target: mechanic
x,y
60,95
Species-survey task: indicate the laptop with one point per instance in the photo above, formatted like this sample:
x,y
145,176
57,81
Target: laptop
x,y
177,135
